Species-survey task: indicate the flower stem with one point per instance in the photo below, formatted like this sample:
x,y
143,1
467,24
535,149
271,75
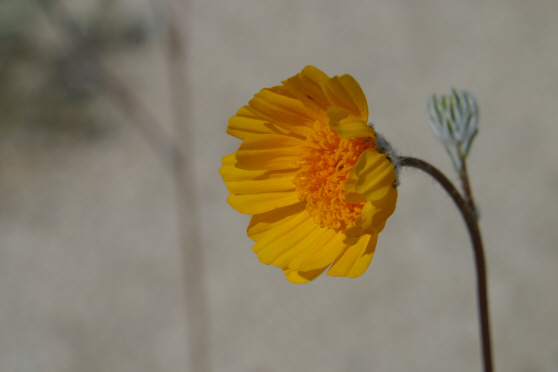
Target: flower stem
x,y
467,194
466,207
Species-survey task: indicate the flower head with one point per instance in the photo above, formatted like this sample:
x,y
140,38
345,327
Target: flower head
x,y
310,172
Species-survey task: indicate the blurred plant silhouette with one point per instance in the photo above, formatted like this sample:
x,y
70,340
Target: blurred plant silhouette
x,y
53,77
48,82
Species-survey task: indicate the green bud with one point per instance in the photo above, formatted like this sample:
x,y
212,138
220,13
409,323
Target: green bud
x,y
453,119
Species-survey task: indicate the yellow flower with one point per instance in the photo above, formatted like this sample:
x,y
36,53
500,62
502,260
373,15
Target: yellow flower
x,y
311,174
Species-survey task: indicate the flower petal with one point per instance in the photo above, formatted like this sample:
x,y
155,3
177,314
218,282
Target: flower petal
x,y
376,213
352,196
283,237
245,124
371,180
261,203
344,91
297,242
279,108
301,277
268,152
306,87
373,218
322,247
266,223
347,125
375,175
354,261
241,181
318,248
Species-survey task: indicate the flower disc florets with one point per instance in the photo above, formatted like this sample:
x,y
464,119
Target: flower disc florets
x,y
325,164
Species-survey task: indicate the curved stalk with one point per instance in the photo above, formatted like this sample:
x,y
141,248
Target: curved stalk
x,y
469,216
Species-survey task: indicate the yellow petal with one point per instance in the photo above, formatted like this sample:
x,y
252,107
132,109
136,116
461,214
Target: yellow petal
x,y
246,124
352,196
347,125
344,91
297,242
270,182
302,277
373,218
268,152
307,87
286,240
275,106
375,175
323,246
372,180
241,181
354,261
376,213
261,203
229,159
264,224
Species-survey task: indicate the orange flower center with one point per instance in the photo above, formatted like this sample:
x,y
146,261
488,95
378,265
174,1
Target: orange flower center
x,y
325,164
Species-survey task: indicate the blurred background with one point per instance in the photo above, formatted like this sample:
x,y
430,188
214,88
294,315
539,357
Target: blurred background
x,y
118,251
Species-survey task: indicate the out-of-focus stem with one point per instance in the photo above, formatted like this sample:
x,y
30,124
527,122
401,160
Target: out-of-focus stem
x,y
197,309
174,153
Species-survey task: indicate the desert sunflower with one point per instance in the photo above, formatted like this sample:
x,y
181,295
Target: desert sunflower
x,y
313,175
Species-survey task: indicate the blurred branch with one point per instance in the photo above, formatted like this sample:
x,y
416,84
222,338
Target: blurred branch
x,y
114,88
197,310
175,154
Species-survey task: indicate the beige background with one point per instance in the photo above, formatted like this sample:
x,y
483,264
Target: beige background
x,y
90,267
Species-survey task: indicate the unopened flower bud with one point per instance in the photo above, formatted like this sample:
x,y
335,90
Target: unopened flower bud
x,y
453,119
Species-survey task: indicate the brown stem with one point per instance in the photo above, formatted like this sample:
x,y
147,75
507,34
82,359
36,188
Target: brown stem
x,y
467,194
472,226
